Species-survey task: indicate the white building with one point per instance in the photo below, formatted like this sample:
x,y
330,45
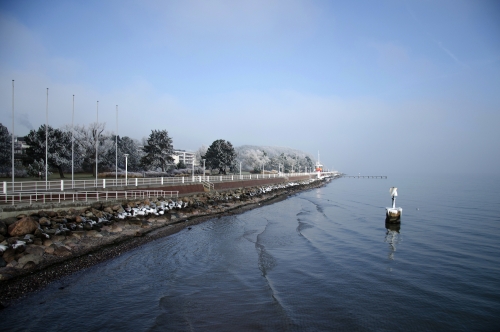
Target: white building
x,y
188,158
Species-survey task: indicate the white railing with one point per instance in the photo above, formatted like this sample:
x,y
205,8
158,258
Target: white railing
x,y
68,185
82,196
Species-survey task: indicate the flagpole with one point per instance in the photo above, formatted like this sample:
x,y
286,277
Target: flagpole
x,y
72,145
116,148
46,139
96,142
12,135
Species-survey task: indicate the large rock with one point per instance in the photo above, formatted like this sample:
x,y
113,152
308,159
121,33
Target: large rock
x,y
52,214
44,221
62,251
29,258
97,213
9,255
35,250
23,226
39,233
43,214
29,265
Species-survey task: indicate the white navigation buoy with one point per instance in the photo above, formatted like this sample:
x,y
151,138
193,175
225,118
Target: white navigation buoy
x,y
393,214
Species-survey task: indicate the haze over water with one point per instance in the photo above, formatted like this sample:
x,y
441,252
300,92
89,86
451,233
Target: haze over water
x,y
320,260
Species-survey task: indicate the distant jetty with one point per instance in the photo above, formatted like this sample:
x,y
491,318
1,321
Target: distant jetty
x,y
365,176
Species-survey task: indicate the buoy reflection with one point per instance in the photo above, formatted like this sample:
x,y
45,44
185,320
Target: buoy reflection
x,y
393,237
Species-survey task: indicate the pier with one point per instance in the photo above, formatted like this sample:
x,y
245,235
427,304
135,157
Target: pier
x,y
366,176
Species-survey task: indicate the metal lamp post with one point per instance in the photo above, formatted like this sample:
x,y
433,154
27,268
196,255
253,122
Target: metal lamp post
x,y
126,170
204,170
192,169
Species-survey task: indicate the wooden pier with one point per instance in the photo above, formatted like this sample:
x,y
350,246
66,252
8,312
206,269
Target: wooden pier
x,y
366,176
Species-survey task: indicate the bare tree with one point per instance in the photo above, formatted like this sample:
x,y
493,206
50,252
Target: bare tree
x,y
85,142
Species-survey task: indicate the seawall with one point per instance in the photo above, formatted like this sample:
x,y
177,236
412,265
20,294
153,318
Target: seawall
x,y
187,189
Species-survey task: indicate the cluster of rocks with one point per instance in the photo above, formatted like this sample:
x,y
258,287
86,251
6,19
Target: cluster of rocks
x,y
30,241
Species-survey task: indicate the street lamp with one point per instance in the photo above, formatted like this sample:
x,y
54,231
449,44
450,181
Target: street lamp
x,y
126,171
193,169
203,169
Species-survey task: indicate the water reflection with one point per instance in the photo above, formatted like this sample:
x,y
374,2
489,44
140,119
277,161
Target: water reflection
x,y
393,237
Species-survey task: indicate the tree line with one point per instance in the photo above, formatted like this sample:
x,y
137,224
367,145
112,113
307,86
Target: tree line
x,y
77,146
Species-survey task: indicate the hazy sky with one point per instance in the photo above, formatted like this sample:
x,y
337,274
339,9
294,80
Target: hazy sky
x,y
376,86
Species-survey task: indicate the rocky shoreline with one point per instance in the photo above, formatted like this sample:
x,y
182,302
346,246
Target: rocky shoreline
x,y
42,247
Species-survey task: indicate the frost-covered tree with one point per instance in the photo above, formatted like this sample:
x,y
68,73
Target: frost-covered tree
x,y
130,146
306,162
220,154
37,168
253,159
278,158
85,147
158,150
199,155
5,149
58,148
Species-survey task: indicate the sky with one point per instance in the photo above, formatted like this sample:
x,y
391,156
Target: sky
x,y
377,87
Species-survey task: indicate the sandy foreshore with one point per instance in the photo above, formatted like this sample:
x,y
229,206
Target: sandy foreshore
x,y
46,260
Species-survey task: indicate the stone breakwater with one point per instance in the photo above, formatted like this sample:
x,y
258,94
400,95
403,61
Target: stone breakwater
x,y
40,247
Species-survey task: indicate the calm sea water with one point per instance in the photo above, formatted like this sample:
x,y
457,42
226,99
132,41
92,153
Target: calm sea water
x,y
320,260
